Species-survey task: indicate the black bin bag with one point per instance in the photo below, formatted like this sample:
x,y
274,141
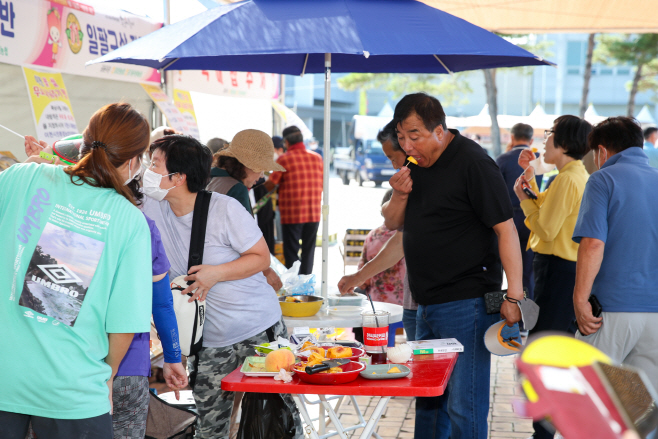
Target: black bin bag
x,y
269,416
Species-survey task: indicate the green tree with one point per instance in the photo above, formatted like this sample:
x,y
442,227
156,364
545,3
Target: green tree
x,y
451,88
637,50
529,43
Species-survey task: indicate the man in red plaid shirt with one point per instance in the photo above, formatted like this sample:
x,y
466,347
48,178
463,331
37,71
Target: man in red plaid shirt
x,y
300,198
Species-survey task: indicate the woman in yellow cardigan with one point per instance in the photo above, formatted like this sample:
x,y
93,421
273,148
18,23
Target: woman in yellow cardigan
x,y
551,219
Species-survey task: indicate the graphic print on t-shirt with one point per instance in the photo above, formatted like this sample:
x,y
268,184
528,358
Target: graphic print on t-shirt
x,y
59,274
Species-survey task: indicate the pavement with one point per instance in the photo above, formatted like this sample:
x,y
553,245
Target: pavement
x,y
398,419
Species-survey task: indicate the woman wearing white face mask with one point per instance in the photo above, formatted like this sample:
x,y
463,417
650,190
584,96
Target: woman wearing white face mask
x,y
75,267
241,308
130,395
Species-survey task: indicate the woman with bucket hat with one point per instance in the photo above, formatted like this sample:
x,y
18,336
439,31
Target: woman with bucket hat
x,y
238,167
241,164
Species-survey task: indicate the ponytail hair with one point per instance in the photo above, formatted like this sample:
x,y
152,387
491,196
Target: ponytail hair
x,y
116,133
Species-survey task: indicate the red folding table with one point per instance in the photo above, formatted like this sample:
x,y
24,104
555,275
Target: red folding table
x,y
429,377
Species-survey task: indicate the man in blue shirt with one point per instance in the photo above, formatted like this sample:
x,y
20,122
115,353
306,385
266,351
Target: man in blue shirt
x,y
520,138
618,235
650,138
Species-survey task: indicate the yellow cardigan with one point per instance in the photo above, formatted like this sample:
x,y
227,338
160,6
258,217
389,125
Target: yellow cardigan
x,y
551,218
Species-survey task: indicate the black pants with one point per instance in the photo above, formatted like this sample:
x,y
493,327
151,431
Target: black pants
x,y
292,233
15,426
555,279
528,278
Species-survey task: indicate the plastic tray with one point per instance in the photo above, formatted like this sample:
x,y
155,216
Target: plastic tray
x,y
255,367
380,371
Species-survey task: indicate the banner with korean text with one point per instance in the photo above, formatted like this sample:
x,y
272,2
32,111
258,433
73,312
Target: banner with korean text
x,y
50,105
64,34
183,101
233,84
175,118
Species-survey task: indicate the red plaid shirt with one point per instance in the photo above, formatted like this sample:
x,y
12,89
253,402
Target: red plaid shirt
x,y
300,187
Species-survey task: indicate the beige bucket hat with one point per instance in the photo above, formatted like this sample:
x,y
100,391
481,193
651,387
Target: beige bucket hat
x,y
254,149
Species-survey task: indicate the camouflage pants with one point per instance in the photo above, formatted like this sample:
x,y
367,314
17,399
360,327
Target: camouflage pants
x,y
130,397
213,403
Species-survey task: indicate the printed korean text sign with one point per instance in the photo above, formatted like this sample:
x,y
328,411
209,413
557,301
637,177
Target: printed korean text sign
x,y
234,84
65,34
175,118
183,101
50,105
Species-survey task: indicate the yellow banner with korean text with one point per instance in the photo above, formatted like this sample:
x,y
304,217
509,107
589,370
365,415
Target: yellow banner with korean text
x,y
51,106
175,118
183,101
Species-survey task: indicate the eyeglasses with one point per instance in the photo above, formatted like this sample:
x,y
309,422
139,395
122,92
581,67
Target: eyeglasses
x,y
548,133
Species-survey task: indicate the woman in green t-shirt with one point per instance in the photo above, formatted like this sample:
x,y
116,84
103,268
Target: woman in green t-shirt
x,y
75,280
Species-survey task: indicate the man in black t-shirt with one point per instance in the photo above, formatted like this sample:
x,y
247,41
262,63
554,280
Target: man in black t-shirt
x,y
458,226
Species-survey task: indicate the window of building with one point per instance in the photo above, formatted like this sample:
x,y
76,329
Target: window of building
x,y
576,52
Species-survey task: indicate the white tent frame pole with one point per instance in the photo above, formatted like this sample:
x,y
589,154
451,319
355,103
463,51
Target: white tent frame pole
x,y
325,174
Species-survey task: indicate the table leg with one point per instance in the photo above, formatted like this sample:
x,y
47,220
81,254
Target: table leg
x,y
369,429
321,419
307,418
333,416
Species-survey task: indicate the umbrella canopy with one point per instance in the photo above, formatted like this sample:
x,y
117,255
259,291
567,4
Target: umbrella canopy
x,y
318,36
292,36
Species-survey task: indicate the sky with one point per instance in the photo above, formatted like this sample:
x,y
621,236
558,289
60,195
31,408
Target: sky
x,y
180,9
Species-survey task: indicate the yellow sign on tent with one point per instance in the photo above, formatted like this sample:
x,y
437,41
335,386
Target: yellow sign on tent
x,y
51,106
183,101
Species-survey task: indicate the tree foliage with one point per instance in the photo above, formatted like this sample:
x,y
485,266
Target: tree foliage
x,y
451,89
637,50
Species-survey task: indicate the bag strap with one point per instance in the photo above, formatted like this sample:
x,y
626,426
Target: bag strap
x,y
199,221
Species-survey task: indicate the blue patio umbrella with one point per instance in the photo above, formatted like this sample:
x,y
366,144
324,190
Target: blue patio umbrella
x,y
317,36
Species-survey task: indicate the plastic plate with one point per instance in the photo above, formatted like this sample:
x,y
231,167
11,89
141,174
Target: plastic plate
x,y
350,372
255,367
380,371
356,353
345,310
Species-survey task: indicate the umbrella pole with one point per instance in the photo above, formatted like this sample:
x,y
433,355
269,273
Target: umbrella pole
x,y
325,174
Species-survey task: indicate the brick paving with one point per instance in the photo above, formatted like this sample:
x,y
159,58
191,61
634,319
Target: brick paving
x,y
398,419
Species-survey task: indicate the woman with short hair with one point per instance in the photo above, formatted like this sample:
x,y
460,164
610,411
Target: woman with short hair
x,y
242,310
551,219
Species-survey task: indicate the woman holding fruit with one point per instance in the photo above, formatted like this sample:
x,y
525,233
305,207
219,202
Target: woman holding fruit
x,y
551,218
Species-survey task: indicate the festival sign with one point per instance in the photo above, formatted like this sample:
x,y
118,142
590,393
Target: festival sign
x,y
233,84
65,34
51,107
183,101
175,118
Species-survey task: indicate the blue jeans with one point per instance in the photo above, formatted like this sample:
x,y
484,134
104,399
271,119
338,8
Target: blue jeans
x,y
461,412
409,323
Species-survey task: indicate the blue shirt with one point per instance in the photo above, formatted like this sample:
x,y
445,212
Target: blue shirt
x,y
652,153
619,208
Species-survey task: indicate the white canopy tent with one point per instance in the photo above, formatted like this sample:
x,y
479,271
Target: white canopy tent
x,y
645,117
554,16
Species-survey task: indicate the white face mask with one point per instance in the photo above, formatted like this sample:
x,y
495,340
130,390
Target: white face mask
x,y
598,159
130,176
152,187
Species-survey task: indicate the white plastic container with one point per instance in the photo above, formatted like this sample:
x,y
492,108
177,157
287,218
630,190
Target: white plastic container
x,y
349,300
